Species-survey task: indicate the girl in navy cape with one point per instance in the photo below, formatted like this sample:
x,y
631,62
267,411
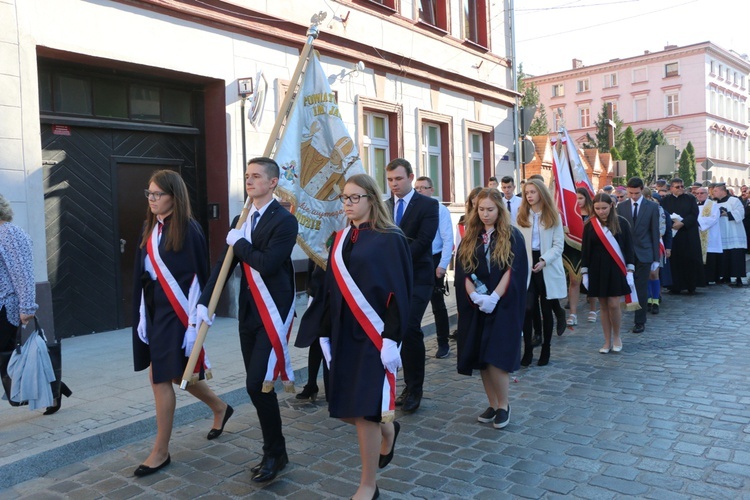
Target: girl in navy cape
x,y
490,325
369,266
164,332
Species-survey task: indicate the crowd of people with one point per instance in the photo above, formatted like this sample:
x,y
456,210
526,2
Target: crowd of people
x,y
513,266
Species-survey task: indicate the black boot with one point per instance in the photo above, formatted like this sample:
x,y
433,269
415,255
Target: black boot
x,y
528,350
544,356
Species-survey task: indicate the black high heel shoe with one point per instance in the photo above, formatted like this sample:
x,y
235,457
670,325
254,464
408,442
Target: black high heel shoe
x,y
308,393
64,391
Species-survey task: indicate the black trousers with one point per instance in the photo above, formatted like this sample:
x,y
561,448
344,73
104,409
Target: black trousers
x,y
537,295
412,348
256,348
439,311
640,276
314,360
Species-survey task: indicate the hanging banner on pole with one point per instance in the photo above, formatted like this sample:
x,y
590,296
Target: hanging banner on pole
x,y
316,156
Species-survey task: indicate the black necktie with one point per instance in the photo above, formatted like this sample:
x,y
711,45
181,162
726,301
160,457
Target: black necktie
x,y
635,212
508,205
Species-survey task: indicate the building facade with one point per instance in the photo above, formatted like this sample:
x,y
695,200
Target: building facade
x,y
98,95
697,93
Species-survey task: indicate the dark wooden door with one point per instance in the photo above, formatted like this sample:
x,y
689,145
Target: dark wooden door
x,y
93,181
132,179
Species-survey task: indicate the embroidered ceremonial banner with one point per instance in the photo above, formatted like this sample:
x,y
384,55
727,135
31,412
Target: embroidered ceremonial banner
x,y
316,157
580,177
367,318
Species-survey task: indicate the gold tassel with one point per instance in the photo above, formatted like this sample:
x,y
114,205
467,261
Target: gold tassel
x,y
633,306
387,417
267,386
209,374
289,386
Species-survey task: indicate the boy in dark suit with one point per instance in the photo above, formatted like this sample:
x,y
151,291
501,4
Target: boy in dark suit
x,y
643,216
263,246
417,216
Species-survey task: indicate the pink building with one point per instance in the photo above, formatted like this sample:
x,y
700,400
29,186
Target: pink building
x,y
697,93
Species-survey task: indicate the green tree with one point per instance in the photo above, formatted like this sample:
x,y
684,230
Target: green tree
x,y
686,169
539,125
615,153
648,139
631,154
601,139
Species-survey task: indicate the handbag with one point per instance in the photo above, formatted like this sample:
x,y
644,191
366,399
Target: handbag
x,y
55,354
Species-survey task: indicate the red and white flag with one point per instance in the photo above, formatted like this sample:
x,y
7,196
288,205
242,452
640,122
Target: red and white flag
x,y
565,195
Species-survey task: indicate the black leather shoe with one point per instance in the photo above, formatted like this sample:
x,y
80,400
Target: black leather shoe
x,y
270,469
258,467
560,320
308,393
442,352
145,470
412,401
214,433
386,459
64,391
639,328
402,397
655,309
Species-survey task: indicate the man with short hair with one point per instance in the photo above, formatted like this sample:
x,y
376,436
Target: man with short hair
x,y
442,249
418,217
694,188
263,247
510,200
620,195
686,262
608,189
492,182
733,238
643,216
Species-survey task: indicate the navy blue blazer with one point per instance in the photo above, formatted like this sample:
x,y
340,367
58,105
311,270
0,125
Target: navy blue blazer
x,y
270,254
420,225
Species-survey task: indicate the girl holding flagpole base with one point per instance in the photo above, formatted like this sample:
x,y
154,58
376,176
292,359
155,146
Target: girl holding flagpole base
x,y
367,291
607,265
171,267
492,273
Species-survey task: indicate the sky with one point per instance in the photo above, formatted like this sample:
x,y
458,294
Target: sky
x,y
550,33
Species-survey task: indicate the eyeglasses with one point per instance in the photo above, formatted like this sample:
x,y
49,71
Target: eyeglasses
x,y
353,198
155,195
423,188
678,186
620,196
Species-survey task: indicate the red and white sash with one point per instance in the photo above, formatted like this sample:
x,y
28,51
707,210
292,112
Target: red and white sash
x,y
610,243
278,331
367,318
174,293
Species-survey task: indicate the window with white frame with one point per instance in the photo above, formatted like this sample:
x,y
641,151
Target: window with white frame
x,y
584,117
610,80
713,68
640,75
376,147
672,104
582,85
558,90
614,106
475,21
558,119
432,155
712,102
712,144
640,109
671,69
673,140
476,158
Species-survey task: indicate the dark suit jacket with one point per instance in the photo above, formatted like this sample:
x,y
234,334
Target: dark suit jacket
x,y
645,231
269,254
420,225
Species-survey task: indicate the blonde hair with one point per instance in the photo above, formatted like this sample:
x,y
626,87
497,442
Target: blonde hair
x,y
501,254
549,210
380,217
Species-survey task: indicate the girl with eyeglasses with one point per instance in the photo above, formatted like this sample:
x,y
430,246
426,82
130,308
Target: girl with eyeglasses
x,y
171,268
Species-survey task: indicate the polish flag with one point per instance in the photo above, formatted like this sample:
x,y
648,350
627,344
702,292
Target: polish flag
x,y
565,193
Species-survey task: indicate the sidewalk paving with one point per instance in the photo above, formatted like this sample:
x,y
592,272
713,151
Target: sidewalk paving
x,y
669,417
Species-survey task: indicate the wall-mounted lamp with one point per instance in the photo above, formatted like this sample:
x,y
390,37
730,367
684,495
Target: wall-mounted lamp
x,y
360,66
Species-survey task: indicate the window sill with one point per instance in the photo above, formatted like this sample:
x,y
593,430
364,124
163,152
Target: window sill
x,y
476,45
376,5
431,27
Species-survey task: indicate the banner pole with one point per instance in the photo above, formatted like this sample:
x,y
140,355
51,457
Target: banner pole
x,y
285,110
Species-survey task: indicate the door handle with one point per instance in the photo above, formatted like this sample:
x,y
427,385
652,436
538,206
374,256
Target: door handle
x,y
122,245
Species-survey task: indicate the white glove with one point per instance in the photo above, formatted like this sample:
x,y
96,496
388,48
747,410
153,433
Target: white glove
x,y
189,340
236,234
390,356
654,266
629,279
477,298
585,280
202,316
325,346
141,329
490,302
